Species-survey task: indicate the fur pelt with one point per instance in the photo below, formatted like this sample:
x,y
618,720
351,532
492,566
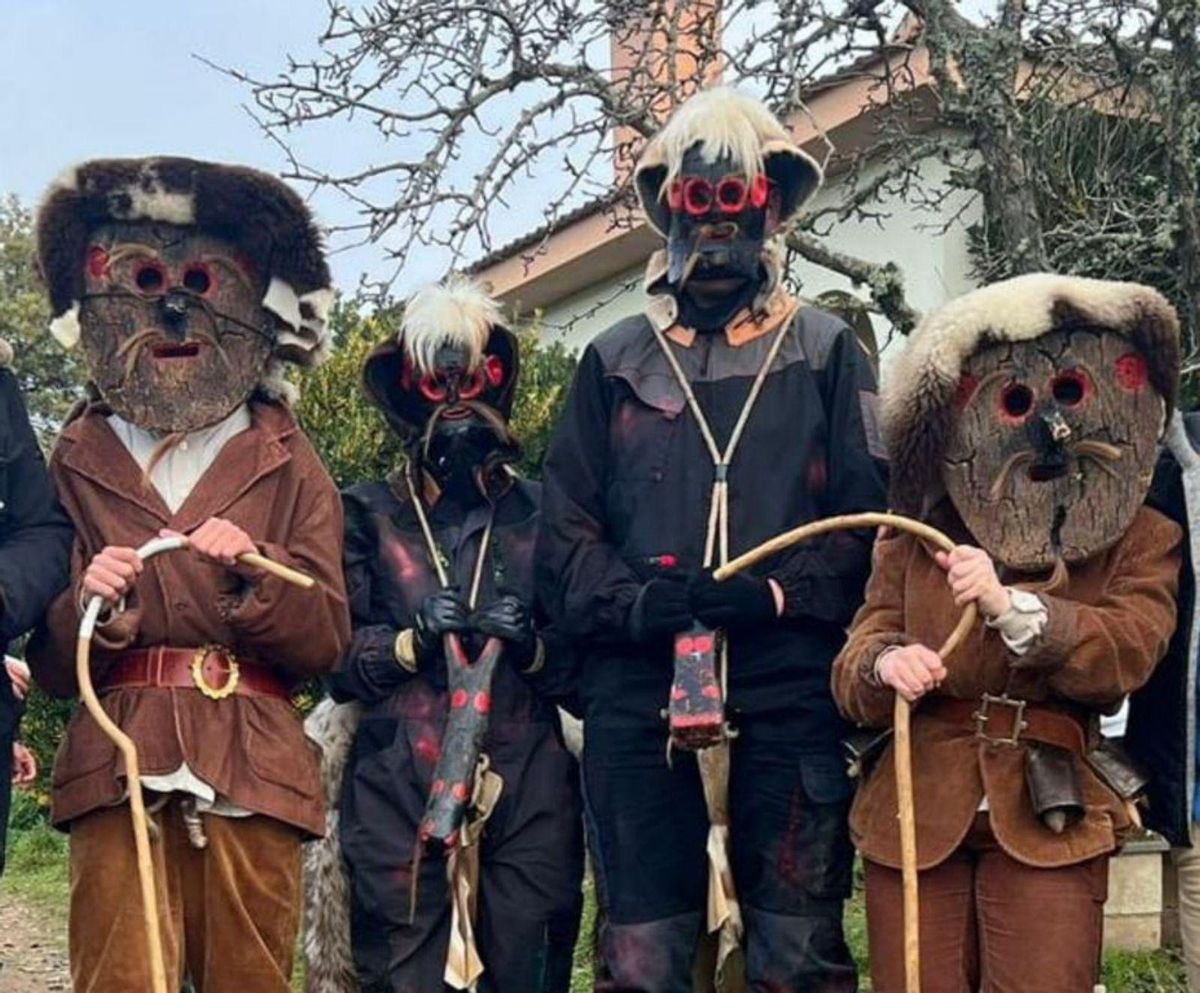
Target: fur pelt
x,y
725,122
6,354
457,311
921,383
326,884
263,216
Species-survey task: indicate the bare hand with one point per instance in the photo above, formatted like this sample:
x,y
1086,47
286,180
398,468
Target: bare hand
x,y
972,578
25,767
112,573
911,670
219,540
18,674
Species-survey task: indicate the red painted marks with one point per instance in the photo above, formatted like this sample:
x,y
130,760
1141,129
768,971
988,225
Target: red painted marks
x,y
428,750
668,561
685,646
494,370
438,787
678,693
97,261
967,385
459,698
452,839
1131,371
483,702
712,692
460,792
1016,403
703,644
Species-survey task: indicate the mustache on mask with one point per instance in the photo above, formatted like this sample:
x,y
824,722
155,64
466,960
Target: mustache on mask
x,y
1101,453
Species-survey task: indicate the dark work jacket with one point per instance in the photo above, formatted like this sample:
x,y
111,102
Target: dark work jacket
x,y
628,480
1161,732
35,536
389,575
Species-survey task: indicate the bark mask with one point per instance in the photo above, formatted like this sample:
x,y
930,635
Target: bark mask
x,y
1054,445
172,325
1036,405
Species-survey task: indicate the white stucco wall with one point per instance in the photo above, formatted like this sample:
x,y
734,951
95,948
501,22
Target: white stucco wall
x,y
935,265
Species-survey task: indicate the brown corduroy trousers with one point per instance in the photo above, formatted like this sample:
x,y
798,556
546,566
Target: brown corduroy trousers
x,y
229,912
990,923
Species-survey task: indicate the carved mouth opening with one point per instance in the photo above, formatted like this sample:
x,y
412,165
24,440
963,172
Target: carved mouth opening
x,y
182,350
1045,472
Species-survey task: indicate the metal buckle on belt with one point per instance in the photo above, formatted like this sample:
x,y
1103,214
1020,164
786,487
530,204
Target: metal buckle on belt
x,y
982,716
233,673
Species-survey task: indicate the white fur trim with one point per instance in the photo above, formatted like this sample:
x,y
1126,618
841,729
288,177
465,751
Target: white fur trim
x,y
67,180
65,327
149,200
305,337
458,312
1017,309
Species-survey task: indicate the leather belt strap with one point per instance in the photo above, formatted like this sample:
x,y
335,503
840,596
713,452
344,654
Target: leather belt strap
x,y
211,669
1003,720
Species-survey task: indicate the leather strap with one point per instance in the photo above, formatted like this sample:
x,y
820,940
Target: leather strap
x,y
186,668
995,719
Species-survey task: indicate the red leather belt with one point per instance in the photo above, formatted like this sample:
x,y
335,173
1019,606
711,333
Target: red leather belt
x,y
1004,720
211,669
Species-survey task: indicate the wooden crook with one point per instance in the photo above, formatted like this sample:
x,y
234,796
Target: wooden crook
x,y
901,714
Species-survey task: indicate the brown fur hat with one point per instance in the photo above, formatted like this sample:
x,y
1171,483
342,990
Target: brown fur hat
x,y
261,215
921,383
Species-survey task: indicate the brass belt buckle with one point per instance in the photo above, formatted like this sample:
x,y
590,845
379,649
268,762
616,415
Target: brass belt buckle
x,y
203,685
981,717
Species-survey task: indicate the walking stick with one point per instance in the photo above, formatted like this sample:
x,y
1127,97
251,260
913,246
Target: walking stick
x,y
900,717
128,750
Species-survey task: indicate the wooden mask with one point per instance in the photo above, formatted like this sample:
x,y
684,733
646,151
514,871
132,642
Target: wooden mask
x,y
1052,445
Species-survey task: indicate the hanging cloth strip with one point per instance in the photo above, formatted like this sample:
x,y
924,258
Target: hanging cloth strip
x,y
464,965
724,914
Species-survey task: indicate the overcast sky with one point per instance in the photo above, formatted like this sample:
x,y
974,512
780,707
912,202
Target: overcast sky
x,y
82,78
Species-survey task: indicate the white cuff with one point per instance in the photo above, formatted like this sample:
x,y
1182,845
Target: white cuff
x,y
1023,623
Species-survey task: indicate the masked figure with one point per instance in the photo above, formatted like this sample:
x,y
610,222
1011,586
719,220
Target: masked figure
x,y
458,805
1023,421
724,414
187,285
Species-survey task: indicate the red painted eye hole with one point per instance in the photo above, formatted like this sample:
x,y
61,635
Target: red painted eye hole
x,y
433,387
1016,400
494,369
197,279
150,277
731,195
1131,371
1070,388
760,191
697,196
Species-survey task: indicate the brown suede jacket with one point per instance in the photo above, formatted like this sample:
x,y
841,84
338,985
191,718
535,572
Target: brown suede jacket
x,y
1106,630
250,749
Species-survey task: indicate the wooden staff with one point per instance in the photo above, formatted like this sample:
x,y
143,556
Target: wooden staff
x,y
901,713
128,750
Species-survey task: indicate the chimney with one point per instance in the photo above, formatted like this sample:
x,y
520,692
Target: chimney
x,y
663,51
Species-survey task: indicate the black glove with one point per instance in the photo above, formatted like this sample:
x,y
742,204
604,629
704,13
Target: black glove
x,y
442,613
660,611
509,620
742,601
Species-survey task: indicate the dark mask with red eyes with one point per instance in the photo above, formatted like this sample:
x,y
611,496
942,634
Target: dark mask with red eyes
x,y
1053,445
719,222
173,328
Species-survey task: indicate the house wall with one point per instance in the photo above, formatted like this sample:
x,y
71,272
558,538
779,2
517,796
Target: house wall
x,y
935,264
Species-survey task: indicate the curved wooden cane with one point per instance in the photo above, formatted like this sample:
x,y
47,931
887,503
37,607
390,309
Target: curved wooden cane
x,y
128,750
901,714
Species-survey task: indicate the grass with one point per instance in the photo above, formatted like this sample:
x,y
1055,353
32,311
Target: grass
x,y
37,876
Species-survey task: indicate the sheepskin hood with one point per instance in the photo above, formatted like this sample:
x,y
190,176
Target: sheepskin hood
x,y
921,383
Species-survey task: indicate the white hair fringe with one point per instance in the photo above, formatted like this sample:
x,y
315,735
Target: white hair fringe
x,y
457,311
725,122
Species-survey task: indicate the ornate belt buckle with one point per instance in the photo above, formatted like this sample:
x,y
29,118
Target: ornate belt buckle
x,y
233,673
982,716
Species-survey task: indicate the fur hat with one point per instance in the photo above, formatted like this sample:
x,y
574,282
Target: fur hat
x,y
457,311
261,215
920,385
725,122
